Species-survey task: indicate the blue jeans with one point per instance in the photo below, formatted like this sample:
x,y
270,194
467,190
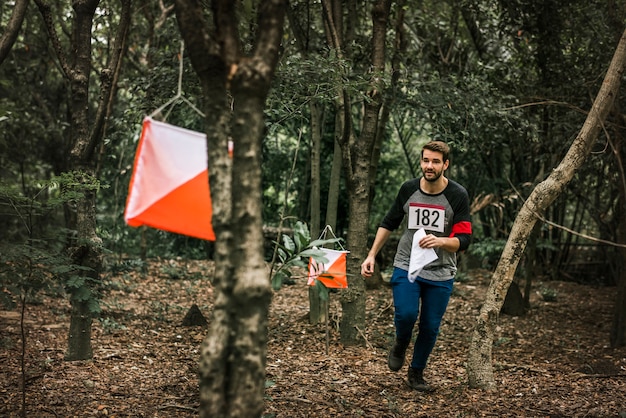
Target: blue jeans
x,y
406,299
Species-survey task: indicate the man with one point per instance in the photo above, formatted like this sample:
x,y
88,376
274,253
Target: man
x,y
441,207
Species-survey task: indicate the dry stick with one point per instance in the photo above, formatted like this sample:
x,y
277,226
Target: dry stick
x,y
176,406
385,309
580,234
370,346
291,398
547,102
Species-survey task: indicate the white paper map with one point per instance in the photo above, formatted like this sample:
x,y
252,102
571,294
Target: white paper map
x,y
419,256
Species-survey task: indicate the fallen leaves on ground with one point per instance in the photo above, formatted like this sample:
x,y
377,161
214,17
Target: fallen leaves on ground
x,y
553,362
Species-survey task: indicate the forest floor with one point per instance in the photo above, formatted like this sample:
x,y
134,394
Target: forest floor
x,y
553,362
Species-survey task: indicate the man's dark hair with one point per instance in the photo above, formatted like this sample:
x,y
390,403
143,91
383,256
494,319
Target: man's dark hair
x,y
437,146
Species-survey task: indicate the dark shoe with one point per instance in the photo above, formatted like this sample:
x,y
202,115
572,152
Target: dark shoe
x,y
396,355
416,380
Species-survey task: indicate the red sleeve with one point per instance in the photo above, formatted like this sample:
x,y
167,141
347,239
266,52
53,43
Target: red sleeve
x,y
463,227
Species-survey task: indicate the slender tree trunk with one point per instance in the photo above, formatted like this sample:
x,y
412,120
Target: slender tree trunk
x,y
332,203
316,145
352,323
357,157
357,152
318,307
480,370
618,327
86,250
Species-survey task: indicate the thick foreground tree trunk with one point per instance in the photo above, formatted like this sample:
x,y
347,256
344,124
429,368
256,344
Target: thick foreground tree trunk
x,y
479,367
233,355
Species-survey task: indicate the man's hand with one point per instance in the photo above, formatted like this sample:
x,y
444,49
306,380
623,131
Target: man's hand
x,y
430,241
448,244
367,268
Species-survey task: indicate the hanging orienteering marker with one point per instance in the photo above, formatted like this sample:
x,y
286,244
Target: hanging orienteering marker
x,y
169,186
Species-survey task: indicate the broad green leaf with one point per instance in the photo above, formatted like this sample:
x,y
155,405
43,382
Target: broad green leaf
x,y
278,278
289,244
282,255
301,234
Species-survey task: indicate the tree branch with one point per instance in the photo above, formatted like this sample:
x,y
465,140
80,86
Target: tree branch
x,y
201,49
564,228
13,28
44,9
271,16
109,76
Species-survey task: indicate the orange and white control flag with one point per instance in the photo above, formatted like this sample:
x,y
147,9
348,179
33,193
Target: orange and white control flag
x,y
331,274
169,186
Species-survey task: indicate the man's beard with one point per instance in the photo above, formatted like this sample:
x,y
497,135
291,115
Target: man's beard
x,y
435,174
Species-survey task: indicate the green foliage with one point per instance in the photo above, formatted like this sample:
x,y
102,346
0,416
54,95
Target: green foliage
x,y
33,258
22,273
487,250
296,251
28,256
548,294
173,271
110,325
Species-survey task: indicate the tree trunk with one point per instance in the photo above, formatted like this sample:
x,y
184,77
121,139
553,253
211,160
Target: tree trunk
x,y
332,203
618,326
233,355
479,367
352,323
318,307
357,157
357,151
316,145
79,341
86,132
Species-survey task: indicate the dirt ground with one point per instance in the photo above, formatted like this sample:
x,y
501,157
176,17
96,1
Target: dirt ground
x,y
553,362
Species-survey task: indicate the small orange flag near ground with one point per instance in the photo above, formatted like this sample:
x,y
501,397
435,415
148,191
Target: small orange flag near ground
x,y
169,186
333,273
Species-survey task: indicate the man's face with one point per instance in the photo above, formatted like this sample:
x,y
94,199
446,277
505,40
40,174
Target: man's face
x,y
432,165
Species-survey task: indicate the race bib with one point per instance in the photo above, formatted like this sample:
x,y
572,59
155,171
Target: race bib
x,y
429,217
